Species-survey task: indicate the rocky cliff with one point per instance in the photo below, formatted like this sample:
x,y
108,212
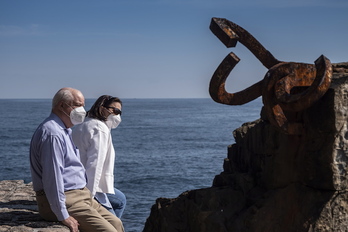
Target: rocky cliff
x,y
273,181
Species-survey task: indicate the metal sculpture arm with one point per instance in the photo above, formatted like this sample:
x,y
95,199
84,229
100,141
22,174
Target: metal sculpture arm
x,y
217,85
229,33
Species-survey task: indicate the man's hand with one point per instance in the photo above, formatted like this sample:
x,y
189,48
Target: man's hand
x,y
72,224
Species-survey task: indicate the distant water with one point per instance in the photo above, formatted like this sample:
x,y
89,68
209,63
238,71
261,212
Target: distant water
x,y
164,147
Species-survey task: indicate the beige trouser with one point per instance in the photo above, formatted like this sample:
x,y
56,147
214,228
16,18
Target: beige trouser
x,y
91,215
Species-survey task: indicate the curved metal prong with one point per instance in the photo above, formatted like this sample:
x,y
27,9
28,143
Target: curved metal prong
x,y
229,32
217,85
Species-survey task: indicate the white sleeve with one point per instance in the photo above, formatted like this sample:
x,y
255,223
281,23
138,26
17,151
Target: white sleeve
x,y
96,154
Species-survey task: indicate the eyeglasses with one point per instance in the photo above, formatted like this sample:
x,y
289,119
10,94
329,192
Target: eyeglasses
x,y
115,110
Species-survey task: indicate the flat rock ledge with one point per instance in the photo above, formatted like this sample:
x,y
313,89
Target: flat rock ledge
x,y
18,210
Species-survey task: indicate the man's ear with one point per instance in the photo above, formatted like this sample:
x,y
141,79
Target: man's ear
x,y
61,104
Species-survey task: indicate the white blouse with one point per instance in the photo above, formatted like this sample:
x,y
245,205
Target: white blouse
x,y
93,139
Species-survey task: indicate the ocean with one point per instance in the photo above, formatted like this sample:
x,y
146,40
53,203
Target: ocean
x,y
164,147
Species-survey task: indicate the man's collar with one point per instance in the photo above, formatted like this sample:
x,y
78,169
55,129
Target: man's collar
x,y
59,121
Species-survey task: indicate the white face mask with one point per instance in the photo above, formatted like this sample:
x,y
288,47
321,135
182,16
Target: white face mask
x,y
77,115
113,121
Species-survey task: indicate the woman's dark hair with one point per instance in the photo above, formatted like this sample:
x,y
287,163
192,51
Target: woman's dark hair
x,y
96,109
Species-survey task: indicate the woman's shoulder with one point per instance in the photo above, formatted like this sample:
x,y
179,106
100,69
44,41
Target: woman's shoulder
x,y
92,123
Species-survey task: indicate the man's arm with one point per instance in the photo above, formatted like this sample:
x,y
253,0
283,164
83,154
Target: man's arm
x,y
52,160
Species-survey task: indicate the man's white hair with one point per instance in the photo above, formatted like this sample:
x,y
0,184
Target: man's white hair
x,y
64,94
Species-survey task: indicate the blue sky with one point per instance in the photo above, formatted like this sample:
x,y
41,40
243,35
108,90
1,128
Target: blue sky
x,y
154,48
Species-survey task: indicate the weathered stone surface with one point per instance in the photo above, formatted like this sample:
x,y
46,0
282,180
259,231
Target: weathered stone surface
x,y
18,210
273,181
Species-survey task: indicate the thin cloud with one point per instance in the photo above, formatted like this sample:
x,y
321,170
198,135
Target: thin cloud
x,y
11,30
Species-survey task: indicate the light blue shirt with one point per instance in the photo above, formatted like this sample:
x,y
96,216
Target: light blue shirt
x,y
55,163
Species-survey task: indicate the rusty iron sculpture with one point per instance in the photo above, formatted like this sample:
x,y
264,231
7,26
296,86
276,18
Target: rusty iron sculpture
x,y
287,88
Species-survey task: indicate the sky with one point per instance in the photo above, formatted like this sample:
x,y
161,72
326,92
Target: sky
x,y
155,48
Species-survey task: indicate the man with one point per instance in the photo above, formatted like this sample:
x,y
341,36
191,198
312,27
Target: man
x,y
58,176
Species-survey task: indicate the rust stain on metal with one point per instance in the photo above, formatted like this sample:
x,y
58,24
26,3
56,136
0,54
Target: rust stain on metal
x,y
287,88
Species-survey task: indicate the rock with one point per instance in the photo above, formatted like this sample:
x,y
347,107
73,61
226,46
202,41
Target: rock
x,y
18,210
273,181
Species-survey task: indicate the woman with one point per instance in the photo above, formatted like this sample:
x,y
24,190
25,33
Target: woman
x,y
93,138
